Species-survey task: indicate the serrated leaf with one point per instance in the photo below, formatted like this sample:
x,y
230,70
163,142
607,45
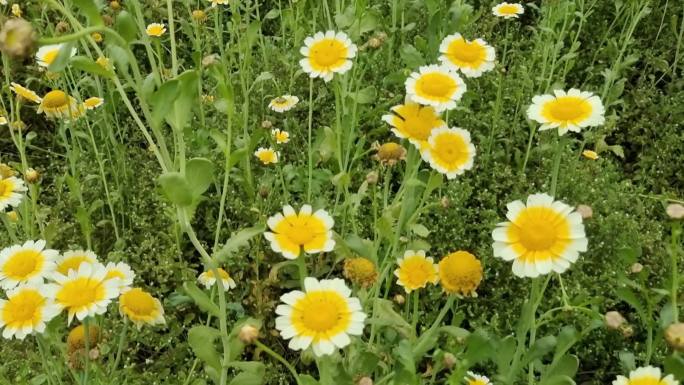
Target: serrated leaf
x,y
201,299
201,340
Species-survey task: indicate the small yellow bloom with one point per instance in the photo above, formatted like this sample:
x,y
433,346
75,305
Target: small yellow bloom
x,y
93,102
72,260
449,151
283,103
327,53
416,270
292,231
413,122
199,16
472,58
567,111
97,37
280,136
103,62
266,155
28,263
26,311
12,216
16,10
214,3
155,29
6,171
48,53
460,273
360,271
57,104
389,153
3,121
646,376
508,10
476,379
589,154
141,307
436,86
25,93
208,280
76,339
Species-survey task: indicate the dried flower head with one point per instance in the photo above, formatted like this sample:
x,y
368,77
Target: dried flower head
x,y
31,175
199,16
17,38
360,271
614,320
389,153
675,211
248,334
585,211
674,335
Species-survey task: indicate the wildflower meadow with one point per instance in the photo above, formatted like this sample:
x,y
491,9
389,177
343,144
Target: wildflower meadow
x,y
341,192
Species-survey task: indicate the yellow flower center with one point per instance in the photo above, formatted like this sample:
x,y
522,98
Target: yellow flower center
x,y
138,302
539,229
416,272
24,307
23,264
322,312
476,381
508,9
79,293
222,273
280,101
460,272
72,263
418,121
360,271
155,30
268,156
391,151
450,150
6,187
300,229
567,108
465,52
114,273
645,380
327,53
76,337
50,56
436,85
55,99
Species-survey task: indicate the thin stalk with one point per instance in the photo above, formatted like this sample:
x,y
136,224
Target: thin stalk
x,y
172,36
556,165
120,346
310,150
280,359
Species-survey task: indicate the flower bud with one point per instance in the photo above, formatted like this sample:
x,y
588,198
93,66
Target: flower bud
x,y
17,38
248,334
374,42
585,211
97,37
31,175
12,216
674,335
62,27
636,268
614,320
365,381
199,16
108,20
449,360
209,60
445,202
360,271
399,299
115,5
675,211
372,177
266,124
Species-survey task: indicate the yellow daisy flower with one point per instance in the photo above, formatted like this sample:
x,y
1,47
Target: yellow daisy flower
x,y
48,53
322,316
155,29
280,136
57,104
647,375
27,263
567,111
472,58
85,292
104,63
93,102
16,10
449,151
26,311
476,379
589,154
76,338
413,122
326,54
508,10
541,236
122,272
436,86
460,273
416,270
283,103
309,230
25,92
208,280
72,260
141,307
266,155
11,192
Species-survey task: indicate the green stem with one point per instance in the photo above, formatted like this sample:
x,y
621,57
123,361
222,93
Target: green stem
x,y
301,266
120,346
280,359
556,165
675,242
86,356
172,36
310,150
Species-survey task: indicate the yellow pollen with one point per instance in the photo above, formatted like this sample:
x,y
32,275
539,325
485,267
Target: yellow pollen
x,y
469,52
138,302
451,148
568,108
436,85
113,273
23,264
80,293
322,312
328,52
539,229
646,380
508,9
23,307
55,99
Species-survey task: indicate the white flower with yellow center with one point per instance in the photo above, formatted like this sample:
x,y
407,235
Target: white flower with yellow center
x,y
93,102
416,270
214,3
11,192
3,120
72,260
266,155
283,103
647,375
48,53
567,111
323,316
122,272
57,104
85,292
208,280
309,230
436,86
141,307
449,151
508,10
25,93
413,122
472,58
280,136
540,236
476,379
155,29
27,263
326,54
26,311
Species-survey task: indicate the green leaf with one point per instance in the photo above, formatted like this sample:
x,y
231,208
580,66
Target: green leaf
x,y
87,64
164,99
306,379
238,240
420,230
90,10
201,340
411,56
675,365
626,294
566,366
628,361
199,173
248,379
386,316
125,26
62,58
540,348
201,299
364,96
479,347
184,100
176,188
504,353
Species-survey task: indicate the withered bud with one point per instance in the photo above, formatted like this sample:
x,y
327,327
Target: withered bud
x,y
445,202
209,60
636,268
374,42
399,299
449,360
108,20
675,211
62,27
585,211
199,16
266,124
381,36
626,330
248,334
372,177
17,38
263,191
31,175
614,320
115,5
365,381
674,335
